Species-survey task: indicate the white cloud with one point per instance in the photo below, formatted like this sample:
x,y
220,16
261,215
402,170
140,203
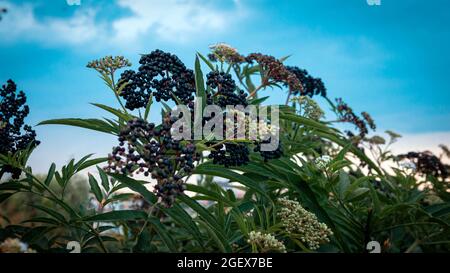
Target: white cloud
x,y
171,20
21,23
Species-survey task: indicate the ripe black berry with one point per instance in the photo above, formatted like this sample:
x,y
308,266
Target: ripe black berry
x,y
160,73
230,154
225,91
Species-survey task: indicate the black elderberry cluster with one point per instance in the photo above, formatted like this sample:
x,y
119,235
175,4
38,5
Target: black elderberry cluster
x,y
230,154
269,155
151,150
160,73
311,86
14,134
225,91
427,164
347,115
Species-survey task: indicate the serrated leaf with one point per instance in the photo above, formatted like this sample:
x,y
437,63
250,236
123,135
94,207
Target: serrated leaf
x,y
207,62
118,113
91,124
344,183
199,82
92,162
119,215
58,216
50,174
135,186
148,107
104,178
358,193
95,188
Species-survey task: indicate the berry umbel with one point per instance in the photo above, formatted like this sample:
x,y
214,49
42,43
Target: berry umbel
x,y
151,150
15,135
161,74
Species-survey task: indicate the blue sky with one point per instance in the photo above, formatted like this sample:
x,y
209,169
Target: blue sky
x,y
390,60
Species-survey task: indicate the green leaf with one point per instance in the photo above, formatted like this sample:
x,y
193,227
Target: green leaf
x,y
119,197
166,108
220,241
438,210
358,193
95,188
80,162
209,193
248,81
207,62
43,220
357,183
282,59
344,183
355,150
118,113
12,186
104,178
59,179
258,101
92,162
58,216
184,219
51,173
148,107
199,82
205,215
91,124
136,186
144,243
166,238
231,175
119,215
304,121
121,87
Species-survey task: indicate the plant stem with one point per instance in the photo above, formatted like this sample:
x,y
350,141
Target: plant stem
x,y
115,92
149,215
253,94
288,98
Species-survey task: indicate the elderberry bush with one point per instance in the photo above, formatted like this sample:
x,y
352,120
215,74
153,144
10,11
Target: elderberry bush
x,y
317,191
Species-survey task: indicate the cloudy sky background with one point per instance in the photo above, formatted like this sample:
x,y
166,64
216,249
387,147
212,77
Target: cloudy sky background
x,y
390,60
